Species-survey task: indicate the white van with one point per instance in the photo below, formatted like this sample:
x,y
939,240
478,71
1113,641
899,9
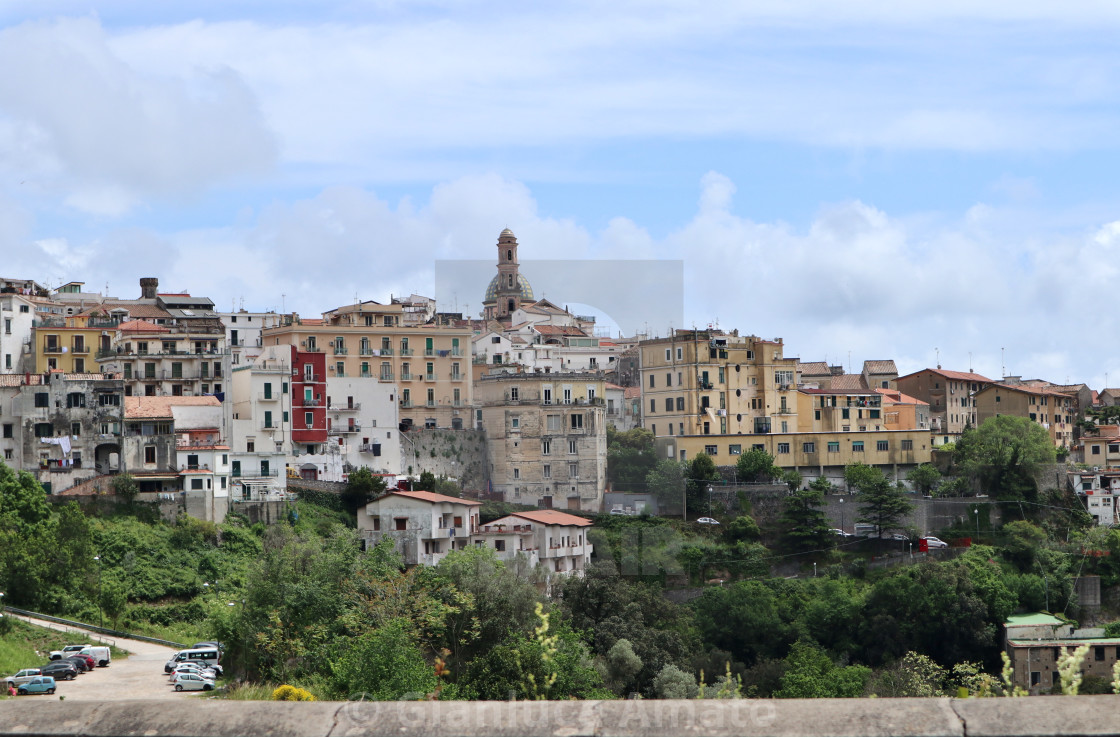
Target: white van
x,y
99,653
207,654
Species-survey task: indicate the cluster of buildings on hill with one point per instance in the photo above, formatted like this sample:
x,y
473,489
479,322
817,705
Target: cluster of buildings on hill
x,y
220,407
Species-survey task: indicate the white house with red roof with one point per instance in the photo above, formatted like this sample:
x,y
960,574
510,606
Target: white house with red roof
x,y
424,526
554,540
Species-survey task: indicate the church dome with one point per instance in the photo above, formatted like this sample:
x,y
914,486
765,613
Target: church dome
x,y
522,282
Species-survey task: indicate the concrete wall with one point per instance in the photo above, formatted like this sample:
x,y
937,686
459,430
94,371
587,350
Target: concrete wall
x,y
1069,715
459,454
928,515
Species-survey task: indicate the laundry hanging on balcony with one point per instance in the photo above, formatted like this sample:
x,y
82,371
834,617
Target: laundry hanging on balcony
x,y
63,443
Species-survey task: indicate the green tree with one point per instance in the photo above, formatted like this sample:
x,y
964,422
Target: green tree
x,y
822,484
630,458
620,666
1022,542
674,683
856,475
702,472
924,478
881,503
741,529
1004,454
362,487
505,669
756,465
811,674
667,482
914,675
124,486
804,524
426,482
792,479
113,598
384,664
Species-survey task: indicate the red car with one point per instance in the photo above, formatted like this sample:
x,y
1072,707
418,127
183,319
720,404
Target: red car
x,y
88,659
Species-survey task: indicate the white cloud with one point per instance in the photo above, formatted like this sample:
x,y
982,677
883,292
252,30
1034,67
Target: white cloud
x,y
104,134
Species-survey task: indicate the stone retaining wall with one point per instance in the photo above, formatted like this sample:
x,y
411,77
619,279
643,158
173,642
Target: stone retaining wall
x,y
996,717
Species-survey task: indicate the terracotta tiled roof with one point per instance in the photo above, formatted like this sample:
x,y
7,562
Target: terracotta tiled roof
x,y
136,408
815,368
553,517
847,382
954,375
633,392
560,330
1026,389
899,398
311,321
431,496
880,367
18,379
141,326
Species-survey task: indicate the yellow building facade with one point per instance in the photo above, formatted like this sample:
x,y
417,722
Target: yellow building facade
x,y
69,344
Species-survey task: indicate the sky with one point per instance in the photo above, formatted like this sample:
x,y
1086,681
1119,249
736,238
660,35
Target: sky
x,y
923,181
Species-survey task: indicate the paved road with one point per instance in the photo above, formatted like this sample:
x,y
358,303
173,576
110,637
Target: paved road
x,y
139,676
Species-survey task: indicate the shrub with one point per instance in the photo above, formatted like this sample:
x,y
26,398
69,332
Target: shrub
x,y
291,693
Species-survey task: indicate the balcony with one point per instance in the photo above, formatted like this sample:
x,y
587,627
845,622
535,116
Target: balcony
x,y
269,428
386,351
457,377
344,429
81,350
49,322
407,376
406,351
355,407
429,352
456,353
200,467
307,378
268,397
456,402
385,377
429,377
365,351
406,403
305,402
431,403
52,348
369,448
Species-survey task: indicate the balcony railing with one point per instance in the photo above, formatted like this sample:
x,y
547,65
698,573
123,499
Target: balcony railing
x,y
430,403
81,350
307,378
195,467
456,402
367,447
429,377
406,351
268,397
457,377
344,429
365,351
429,352
406,403
355,407
48,322
305,402
385,377
340,350
262,473
52,349
456,352
386,351
408,376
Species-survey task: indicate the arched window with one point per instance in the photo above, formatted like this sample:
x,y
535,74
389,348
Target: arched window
x,y
511,307
509,255
511,280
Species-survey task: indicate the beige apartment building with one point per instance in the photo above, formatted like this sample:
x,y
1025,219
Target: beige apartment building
x,y
1054,410
546,437
812,454
430,363
706,382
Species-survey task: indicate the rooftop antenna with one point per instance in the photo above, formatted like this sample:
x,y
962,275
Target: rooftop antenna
x,y
1002,364
282,307
970,362
937,352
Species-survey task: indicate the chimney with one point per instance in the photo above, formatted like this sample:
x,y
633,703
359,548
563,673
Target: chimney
x,y
148,287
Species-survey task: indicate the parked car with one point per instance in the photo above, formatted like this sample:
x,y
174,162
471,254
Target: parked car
x,y
67,651
933,542
192,682
60,670
841,533
205,664
198,645
707,521
25,675
81,663
40,684
208,653
89,660
898,536
204,672
100,655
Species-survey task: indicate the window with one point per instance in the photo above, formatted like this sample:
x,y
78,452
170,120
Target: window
x,y
651,383
669,404
668,355
8,430
546,471
907,445
109,400
652,406
573,470
548,395
577,421
680,404
711,450
42,399
833,446
515,423
734,450
808,447
845,413
882,445
514,394
571,447
308,419
149,454
44,429
668,379
546,447
76,429
516,473
873,414
553,423
680,353
783,448
857,446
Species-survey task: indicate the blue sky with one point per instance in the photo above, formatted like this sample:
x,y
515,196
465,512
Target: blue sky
x,y
889,180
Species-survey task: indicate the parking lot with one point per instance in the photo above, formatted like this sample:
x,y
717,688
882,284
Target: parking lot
x,y
139,676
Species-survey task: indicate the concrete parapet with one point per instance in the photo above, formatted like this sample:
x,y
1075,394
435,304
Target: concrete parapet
x,y
1080,715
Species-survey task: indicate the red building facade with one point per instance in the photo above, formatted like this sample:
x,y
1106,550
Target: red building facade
x,y
309,406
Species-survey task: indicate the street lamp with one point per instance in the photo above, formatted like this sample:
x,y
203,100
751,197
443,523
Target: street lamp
x,y
709,500
976,513
100,613
842,515
814,569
